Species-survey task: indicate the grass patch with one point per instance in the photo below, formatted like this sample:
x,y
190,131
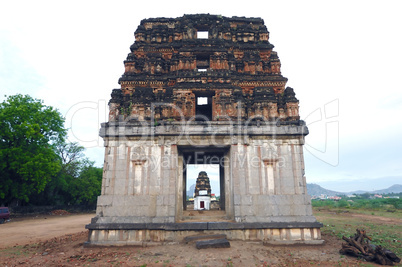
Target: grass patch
x,y
339,223
383,213
15,251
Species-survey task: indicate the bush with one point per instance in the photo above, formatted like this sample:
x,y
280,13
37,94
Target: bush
x,y
328,203
360,203
342,204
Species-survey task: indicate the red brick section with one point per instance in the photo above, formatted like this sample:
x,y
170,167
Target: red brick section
x,y
235,68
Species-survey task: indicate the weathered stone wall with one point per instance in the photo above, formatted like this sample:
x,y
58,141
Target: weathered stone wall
x,y
143,175
139,182
269,184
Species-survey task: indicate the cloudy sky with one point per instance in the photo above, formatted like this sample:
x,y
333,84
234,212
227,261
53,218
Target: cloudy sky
x,y
343,58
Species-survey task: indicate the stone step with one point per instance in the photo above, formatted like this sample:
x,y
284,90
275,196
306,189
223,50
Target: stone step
x,y
193,238
214,243
204,213
204,218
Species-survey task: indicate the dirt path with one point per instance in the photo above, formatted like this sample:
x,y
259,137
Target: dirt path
x,y
36,229
58,241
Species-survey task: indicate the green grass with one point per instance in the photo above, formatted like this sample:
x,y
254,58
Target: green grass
x,y
384,204
15,251
339,223
379,212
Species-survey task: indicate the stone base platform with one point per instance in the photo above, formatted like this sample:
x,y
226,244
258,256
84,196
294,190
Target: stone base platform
x,y
145,234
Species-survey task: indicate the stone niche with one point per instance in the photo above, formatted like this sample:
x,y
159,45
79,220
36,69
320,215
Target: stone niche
x,y
185,101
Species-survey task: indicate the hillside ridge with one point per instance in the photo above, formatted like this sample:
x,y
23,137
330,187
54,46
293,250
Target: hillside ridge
x,y
316,190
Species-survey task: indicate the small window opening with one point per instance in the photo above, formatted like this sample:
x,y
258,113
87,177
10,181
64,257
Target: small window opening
x,y
202,100
202,35
203,108
202,62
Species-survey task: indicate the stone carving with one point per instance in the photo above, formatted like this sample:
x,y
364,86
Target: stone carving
x,y
165,56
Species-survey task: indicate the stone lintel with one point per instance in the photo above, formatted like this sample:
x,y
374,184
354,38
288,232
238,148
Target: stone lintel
x,y
202,226
123,129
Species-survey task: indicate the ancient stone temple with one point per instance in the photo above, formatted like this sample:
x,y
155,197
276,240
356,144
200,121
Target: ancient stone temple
x,y
202,192
203,89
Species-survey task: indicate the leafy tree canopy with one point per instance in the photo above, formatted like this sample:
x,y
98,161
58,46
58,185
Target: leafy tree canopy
x,y
87,187
77,181
29,131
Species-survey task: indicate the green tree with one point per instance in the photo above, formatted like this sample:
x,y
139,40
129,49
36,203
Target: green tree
x,y
57,191
77,182
87,187
365,196
28,134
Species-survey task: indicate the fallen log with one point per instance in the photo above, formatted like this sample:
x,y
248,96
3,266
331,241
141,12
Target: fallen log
x,y
356,244
359,246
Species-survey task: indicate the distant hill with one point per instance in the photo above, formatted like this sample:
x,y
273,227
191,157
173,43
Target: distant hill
x,y
361,183
316,190
190,192
396,188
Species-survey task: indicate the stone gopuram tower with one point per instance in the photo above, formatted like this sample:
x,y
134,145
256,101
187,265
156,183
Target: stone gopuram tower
x,y
203,89
202,192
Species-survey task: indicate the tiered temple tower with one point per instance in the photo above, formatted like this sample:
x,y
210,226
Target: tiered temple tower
x,y
202,192
203,89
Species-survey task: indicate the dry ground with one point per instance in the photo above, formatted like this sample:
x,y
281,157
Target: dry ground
x,y
58,241
35,229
